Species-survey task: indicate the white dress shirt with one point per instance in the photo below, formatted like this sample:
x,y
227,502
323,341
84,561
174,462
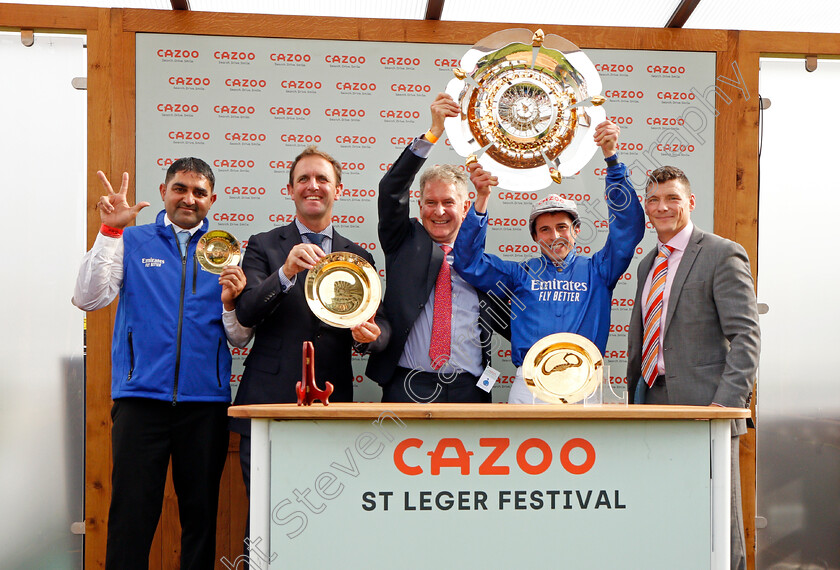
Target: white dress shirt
x,y
101,276
679,242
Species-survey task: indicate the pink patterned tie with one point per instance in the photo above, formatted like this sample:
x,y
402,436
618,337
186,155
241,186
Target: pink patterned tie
x,y
439,348
653,315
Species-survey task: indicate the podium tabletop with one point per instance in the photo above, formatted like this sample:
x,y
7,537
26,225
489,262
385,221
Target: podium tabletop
x,y
360,410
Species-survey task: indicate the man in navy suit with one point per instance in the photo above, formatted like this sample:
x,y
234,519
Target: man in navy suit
x,y
274,303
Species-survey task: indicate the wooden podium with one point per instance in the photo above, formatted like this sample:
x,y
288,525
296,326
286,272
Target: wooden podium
x,y
491,485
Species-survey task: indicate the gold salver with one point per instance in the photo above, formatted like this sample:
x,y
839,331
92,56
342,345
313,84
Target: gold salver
x,y
563,368
343,289
216,250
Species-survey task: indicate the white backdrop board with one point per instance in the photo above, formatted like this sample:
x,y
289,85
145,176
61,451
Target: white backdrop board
x,y
248,106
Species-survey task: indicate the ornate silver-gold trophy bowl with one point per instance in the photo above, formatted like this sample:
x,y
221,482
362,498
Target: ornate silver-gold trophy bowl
x,y
529,103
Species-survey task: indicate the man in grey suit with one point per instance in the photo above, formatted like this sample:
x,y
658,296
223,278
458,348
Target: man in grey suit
x,y
705,351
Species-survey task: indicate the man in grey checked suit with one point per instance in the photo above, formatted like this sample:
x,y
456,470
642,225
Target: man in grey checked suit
x,y
709,335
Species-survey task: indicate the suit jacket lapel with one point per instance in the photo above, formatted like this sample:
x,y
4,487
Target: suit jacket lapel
x,y
688,259
340,243
434,265
289,238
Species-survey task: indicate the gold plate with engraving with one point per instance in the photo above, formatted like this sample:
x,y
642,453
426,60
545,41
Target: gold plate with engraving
x,y
343,289
216,250
563,368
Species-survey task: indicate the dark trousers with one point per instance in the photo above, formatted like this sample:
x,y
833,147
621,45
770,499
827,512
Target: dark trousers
x,y
425,387
145,435
658,395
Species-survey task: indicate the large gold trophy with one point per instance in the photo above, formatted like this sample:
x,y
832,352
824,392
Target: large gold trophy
x,y
529,102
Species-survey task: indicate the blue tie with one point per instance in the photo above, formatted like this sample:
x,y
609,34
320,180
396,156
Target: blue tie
x,y
183,238
314,238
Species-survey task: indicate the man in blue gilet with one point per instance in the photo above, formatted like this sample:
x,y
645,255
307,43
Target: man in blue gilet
x,y
170,375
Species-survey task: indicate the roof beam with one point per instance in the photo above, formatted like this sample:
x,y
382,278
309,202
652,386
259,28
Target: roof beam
x,y
681,14
180,4
434,8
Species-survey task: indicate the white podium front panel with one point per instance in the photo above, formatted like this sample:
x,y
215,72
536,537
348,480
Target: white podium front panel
x,y
495,493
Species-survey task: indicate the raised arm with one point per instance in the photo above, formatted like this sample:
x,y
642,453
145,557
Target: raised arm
x,y
478,268
101,271
626,217
483,182
394,188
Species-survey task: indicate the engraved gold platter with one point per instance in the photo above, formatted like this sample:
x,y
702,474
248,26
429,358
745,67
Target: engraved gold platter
x,y
216,250
563,368
343,289
529,105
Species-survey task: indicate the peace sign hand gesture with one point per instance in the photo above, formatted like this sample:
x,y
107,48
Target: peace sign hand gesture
x,y
114,210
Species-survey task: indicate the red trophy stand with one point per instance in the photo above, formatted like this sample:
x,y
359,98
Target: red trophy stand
x,y
307,391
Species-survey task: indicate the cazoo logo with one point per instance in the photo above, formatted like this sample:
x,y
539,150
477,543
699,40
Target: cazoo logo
x,y
614,67
189,135
177,108
234,55
355,86
233,163
190,81
290,111
346,113
400,61
245,82
245,137
233,110
347,59
290,57
177,54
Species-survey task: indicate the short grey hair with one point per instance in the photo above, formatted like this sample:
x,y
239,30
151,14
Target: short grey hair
x,y
448,173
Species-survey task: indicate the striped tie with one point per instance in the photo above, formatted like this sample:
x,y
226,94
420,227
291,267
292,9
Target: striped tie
x,y
653,315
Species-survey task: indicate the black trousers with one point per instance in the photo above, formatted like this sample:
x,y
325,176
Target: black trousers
x,y
145,435
425,387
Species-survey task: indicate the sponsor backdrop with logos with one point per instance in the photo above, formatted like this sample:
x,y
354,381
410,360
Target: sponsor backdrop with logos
x,y
248,106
